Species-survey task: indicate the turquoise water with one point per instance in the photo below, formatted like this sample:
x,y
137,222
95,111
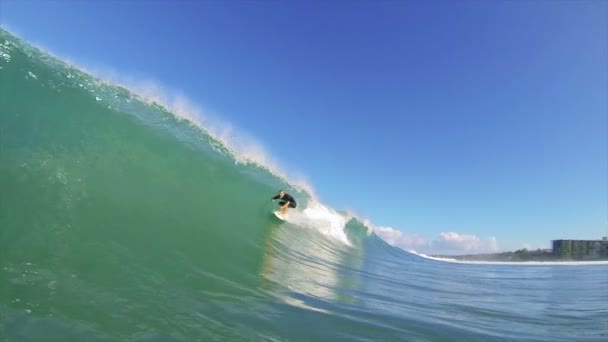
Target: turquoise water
x,y
119,221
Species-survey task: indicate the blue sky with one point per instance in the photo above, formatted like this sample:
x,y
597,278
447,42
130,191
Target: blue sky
x,y
488,119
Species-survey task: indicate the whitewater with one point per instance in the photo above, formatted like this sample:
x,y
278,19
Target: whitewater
x,y
126,216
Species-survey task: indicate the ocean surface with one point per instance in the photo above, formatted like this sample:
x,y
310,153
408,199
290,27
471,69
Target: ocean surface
x,y
122,221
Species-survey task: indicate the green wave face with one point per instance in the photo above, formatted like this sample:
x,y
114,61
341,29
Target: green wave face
x,y
119,214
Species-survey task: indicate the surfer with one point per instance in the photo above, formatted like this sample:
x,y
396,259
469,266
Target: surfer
x,y
287,201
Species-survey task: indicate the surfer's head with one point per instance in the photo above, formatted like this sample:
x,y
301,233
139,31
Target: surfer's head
x,y
281,193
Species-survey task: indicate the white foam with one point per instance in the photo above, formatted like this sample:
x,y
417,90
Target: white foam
x,y
323,219
517,263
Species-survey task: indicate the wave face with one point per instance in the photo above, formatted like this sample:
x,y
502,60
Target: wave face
x,y
120,221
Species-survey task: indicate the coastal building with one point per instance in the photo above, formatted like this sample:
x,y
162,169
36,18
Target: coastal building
x,y
580,249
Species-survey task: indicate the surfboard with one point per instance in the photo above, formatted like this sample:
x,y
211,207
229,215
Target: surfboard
x,y
279,215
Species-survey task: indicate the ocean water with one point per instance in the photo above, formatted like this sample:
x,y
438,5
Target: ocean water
x,y
121,221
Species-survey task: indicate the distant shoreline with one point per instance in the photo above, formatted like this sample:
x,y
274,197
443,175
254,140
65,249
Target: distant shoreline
x,y
522,255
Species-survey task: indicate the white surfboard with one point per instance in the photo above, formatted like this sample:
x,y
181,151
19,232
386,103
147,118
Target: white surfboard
x,y
279,215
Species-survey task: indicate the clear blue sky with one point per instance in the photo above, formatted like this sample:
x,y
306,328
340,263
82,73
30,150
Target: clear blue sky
x,y
478,117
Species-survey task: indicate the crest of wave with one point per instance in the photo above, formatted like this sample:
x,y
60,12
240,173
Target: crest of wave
x,y
242,147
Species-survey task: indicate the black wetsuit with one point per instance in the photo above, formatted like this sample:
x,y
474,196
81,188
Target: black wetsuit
x,y
286,198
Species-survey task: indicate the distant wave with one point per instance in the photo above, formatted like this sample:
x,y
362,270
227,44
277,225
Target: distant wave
x,y
518,263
